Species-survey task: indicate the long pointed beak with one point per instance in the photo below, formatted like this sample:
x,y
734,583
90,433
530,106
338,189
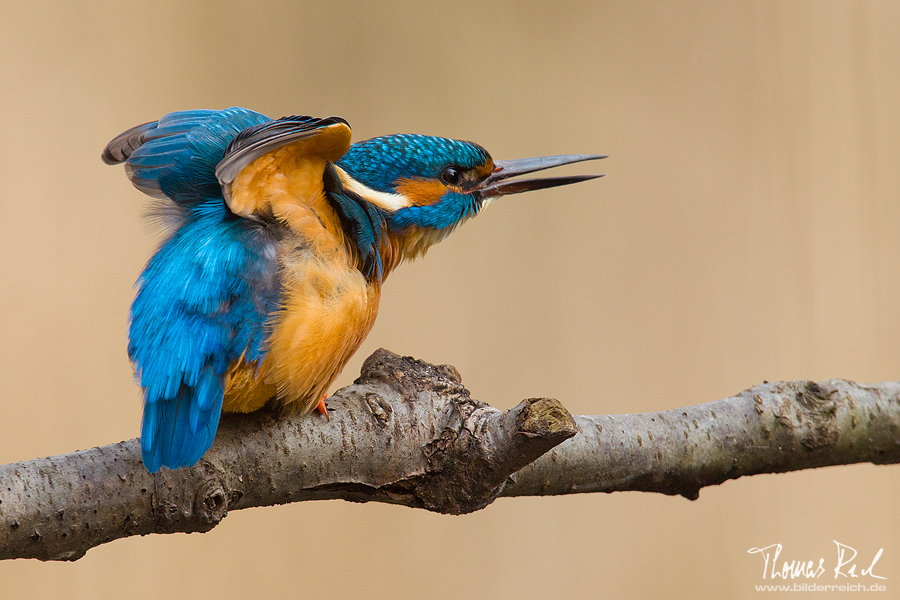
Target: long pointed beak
x,y
497,184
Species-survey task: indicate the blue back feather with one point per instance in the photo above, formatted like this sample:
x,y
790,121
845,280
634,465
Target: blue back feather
x,y
202,305
204,297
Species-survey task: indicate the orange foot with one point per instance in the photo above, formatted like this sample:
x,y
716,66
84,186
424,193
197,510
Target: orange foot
x,y
322,408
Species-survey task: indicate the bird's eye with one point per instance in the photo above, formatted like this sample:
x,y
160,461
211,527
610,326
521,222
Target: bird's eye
x,y
451,176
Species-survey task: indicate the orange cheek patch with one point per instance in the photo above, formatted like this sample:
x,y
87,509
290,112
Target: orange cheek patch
x,y
422,192
486,169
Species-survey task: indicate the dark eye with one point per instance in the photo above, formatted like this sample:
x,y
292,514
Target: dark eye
x,y
451,176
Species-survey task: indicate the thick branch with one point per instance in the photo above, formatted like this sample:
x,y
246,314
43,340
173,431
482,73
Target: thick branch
x,y
408,433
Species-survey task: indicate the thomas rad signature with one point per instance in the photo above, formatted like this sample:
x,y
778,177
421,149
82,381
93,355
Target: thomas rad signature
x,y
845,566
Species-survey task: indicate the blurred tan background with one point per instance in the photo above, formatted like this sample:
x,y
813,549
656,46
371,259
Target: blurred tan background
x,y
747,230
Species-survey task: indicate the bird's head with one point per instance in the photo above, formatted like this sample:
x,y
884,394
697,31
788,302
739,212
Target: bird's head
x,y
413,190
433,183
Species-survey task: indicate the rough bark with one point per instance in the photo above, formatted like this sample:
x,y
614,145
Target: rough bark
x,y
769,428
408,433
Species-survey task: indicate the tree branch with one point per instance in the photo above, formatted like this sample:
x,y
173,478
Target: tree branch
x,y
408,433
770,428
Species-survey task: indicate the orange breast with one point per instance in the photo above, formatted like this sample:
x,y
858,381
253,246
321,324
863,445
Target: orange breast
x,y
328,309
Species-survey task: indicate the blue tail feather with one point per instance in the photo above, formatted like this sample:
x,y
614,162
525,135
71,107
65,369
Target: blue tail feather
x,y
176,431
149,429
175,438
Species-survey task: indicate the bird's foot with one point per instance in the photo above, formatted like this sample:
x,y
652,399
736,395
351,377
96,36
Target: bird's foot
x,y
322,408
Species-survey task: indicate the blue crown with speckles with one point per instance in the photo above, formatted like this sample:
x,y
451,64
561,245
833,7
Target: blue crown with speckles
x,y
379,162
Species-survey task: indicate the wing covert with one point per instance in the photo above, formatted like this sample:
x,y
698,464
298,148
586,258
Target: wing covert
x,y
323,139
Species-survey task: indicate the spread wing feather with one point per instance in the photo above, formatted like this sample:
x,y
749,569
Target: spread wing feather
x,y
204,299
176,157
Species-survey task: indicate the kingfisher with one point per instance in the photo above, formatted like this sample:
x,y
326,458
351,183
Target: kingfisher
x,y
280,234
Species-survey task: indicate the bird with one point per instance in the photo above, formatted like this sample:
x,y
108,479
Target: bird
x,y
279,234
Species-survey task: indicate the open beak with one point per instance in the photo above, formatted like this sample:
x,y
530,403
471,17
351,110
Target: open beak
x,y
498,184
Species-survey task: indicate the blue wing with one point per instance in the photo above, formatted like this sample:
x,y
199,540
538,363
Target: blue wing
x,y
176,157
204,297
